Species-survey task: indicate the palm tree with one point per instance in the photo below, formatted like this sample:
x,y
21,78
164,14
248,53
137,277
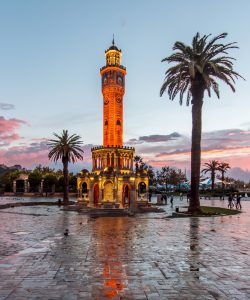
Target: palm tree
x,y
223,167
211,167
68,149
197,69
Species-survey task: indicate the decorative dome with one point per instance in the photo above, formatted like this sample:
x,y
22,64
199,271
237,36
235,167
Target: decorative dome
x,y
113,47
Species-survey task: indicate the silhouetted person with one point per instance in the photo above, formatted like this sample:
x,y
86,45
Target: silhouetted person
x,y
171,200
230,201
238,199
149,197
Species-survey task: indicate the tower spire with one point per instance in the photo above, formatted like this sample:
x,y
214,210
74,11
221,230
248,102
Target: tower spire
x,y
113,41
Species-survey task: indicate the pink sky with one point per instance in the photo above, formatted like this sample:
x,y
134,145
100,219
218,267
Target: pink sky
x,y
231,145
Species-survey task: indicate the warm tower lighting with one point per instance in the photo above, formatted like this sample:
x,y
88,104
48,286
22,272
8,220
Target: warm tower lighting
x,y
113,89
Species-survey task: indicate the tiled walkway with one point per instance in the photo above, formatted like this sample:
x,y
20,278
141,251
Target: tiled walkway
x,y
144,257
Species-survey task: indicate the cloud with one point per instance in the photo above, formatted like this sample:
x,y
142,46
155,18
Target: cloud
x,y
35,153
6,106
155,138
230,145
8,129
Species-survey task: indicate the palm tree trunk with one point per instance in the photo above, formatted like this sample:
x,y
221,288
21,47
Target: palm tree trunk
x,y
194,203
222,179
212,180
65,182
223,184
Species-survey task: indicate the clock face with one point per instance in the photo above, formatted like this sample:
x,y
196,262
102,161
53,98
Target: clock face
x,y
106,101
119,79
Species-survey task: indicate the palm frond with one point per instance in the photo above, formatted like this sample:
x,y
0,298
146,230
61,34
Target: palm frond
x,y
204,62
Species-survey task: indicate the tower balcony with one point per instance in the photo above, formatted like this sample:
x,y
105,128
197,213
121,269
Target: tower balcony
x,y
120,158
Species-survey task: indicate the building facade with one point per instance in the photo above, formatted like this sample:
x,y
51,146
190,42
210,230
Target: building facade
x,y
112,181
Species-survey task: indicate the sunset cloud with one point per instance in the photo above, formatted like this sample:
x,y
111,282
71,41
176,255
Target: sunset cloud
x,y
33,154
231,145
8,129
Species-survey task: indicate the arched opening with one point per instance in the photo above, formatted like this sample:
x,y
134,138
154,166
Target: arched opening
x,y
108,160
126,195
96,194
84,188
20,186
112,160
106,123
108,191
118,122
142,188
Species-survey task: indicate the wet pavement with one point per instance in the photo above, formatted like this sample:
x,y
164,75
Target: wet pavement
x,y
142,257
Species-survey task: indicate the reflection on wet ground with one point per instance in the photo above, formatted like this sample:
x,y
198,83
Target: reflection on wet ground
x,y
143,257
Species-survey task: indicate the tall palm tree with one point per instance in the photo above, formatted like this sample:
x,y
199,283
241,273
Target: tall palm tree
x,y
223,167
211,167
66,148
197,69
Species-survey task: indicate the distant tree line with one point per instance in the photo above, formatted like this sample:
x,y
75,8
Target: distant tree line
x,y
52,179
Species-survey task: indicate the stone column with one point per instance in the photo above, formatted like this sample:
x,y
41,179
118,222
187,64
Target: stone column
x,y
115,161
105,161
14,186
26,186
41,187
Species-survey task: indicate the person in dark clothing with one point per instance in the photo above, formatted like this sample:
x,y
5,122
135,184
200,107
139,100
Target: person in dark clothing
x,y
171,200
238,204
149,197
230,201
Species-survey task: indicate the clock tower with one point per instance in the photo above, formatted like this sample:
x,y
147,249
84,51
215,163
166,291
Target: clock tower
x,y
113,89
112,181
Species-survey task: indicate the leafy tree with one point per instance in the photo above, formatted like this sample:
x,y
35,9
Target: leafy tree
x,y
197,69
73,182
44,169
171,176
66,148
164,176
211,167
138,161
35,179
223,167
151,175
50,180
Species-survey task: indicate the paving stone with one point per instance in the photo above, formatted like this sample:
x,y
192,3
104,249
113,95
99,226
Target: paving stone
x,y
144,257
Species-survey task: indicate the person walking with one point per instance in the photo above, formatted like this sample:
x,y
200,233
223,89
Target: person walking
x,y
172,200
230,201
238,204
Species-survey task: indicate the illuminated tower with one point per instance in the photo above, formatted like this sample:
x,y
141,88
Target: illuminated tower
x,y
113,88
112,180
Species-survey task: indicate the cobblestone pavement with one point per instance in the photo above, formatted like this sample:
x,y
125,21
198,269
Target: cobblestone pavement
x,y
144,257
